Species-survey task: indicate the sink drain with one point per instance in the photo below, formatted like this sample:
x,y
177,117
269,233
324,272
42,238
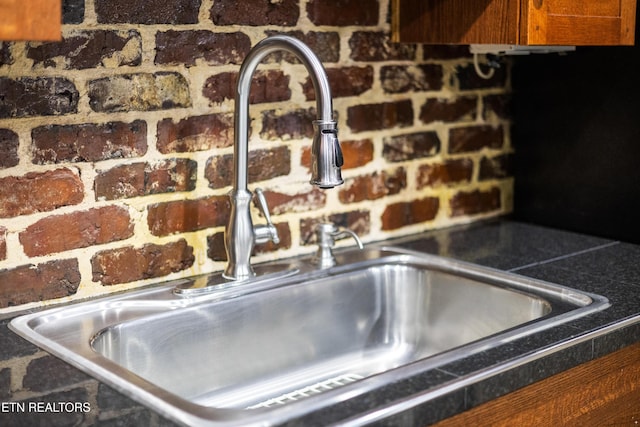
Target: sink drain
x,y
308,391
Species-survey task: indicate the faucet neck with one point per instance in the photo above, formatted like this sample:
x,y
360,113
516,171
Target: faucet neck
x,y
326,155
319,79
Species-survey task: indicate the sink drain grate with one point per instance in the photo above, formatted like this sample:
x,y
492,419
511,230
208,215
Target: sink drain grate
x,y
308,391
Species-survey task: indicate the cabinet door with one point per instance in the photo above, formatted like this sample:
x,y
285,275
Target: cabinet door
x,y
30,19
585,22
523,22
455,21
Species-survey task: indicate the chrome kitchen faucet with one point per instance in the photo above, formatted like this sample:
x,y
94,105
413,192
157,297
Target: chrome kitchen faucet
x,y
326,154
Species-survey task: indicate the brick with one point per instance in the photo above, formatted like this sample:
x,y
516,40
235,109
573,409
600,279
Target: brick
x,y
142,179
346,81
183,216
387,115
325,44
450,172
304,201
376,46
148,12
266,86
356,153
222,86
198,133
410,146
49,372
411,78
373,186
268,164
398,215
475,202
37,96
89,49
186,47
76,230
31,283
468,78
343,13
449,110
39,192
357,221
88,142
6,58
498,167
295,124
72,11
283,13
475,138
3,243
9,144
499,105
128,264
139,92
263,165
215,247
219,171
121,182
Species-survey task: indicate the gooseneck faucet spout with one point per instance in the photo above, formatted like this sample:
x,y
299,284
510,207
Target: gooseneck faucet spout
x,y
326,155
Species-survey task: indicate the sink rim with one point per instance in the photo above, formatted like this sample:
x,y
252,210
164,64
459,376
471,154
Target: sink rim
x,y
396,313
190,413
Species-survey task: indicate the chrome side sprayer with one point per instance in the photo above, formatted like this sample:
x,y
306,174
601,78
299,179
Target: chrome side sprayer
x,y
326,155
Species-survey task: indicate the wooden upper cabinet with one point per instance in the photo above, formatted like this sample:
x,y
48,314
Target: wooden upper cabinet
x,y
587,22
520,22
30,19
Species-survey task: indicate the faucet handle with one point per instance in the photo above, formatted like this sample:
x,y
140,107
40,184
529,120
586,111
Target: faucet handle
x,y
268,232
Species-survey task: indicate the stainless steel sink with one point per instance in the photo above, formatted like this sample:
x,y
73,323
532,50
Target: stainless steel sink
x,y
204,351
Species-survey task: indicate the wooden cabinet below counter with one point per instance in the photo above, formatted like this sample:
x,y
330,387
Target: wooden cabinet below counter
x,y
30,19
522,22
605,391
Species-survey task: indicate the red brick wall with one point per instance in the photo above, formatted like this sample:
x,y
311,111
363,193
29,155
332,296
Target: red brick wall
x,y
116,143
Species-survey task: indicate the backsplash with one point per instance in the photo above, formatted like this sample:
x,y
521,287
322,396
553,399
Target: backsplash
x,y
116,144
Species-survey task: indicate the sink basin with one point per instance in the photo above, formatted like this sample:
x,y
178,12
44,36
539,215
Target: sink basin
x,y
203,351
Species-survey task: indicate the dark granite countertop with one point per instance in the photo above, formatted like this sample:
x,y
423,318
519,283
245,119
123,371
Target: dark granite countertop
x,y
592,264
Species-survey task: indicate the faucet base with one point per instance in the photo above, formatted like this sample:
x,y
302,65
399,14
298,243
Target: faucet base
x,y
239,237
204,285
